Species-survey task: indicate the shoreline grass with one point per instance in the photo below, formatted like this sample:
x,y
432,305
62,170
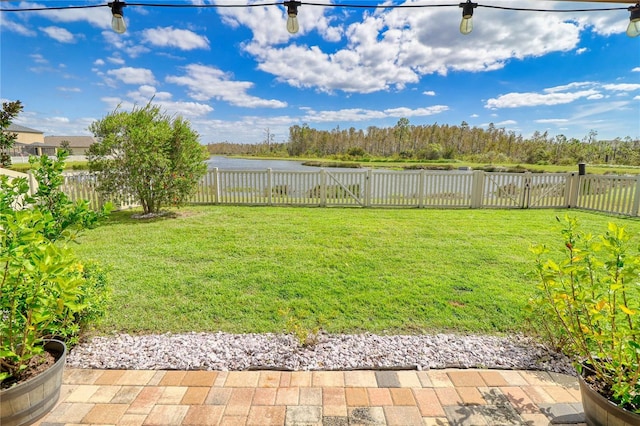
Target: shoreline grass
x,y
396,164
237,269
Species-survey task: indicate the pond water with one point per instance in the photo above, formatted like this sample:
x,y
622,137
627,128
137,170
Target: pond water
x,y
226,163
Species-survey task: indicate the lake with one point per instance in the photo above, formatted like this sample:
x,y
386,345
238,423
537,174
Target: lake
x,y
226,163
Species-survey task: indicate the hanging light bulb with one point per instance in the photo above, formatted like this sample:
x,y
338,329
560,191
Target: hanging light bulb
x,y
633,30
117,22
466,26
292,12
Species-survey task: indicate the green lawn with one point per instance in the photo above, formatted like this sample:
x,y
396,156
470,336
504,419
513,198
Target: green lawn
x,y
236,269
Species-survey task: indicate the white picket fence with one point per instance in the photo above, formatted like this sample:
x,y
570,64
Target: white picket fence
x,y
402,189
13,174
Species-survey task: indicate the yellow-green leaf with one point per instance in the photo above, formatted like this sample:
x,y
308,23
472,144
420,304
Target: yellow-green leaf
x,y
627,310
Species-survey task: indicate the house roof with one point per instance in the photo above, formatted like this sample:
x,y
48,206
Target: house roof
x,y
74,141
21,129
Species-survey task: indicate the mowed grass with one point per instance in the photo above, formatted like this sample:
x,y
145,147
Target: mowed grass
x,y
237,269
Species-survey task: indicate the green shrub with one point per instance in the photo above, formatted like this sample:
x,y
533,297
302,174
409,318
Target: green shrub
x,y
356,152
588,305
44,289
306,336
93,295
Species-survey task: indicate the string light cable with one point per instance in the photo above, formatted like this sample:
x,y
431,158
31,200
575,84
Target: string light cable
x,y
466,25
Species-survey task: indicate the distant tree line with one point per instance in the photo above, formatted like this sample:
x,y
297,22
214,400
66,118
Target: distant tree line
x,y
442,142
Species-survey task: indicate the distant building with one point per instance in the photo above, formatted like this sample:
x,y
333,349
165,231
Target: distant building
x,y
26,135
79,145
34,142
29,142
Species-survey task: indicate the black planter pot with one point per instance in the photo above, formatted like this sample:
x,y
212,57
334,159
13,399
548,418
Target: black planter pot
x,y
29,401
599,411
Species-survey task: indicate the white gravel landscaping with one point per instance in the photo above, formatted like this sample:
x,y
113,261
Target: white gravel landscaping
x,y
223,351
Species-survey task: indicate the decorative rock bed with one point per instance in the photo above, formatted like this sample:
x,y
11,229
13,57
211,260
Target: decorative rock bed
x,y
223,351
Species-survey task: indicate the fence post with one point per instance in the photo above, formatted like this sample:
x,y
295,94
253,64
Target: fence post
x,y
216,186
477,189
323,188
269,187
573,190
526,196
33,184
636,201
367,189
423,177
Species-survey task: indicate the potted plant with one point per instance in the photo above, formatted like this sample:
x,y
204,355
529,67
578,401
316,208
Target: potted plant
x,y
588,304
42,289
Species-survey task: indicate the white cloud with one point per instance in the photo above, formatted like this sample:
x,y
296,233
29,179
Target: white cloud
x,y
59,120
552,121
38,58
566,87
474,116
57,125
60,34
205,82
130,75
145,94
69,89
98,62
506,123
429,93
626,87
516,100
359,114
604,23
42,70
595,96
268,23
419,112
390,49
599,108
124,43
246,130
636,69
559,95
581,50
16,28
43,64
99,17
343,70
116,60
172,37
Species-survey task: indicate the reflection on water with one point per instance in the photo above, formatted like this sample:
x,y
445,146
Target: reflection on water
x,y
225,163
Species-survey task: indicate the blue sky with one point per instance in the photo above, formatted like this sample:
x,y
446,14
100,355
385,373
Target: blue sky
x,y
235,72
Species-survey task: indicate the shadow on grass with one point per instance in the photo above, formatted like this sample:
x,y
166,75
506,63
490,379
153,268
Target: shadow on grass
x,y
135,216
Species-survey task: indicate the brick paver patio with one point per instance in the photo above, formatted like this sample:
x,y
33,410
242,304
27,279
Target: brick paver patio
x,y
434,397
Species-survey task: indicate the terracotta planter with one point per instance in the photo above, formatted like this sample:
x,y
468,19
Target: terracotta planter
x,y
599,411
29,401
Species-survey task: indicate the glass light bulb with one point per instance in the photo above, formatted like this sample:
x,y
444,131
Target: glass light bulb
x,y
117,24
466,26
633,30
292,24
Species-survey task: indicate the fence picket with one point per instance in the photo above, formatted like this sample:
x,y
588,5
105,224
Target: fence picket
x,y
635,210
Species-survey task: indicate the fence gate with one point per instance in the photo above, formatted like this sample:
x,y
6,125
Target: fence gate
x,y
342,188
505,190
550,190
